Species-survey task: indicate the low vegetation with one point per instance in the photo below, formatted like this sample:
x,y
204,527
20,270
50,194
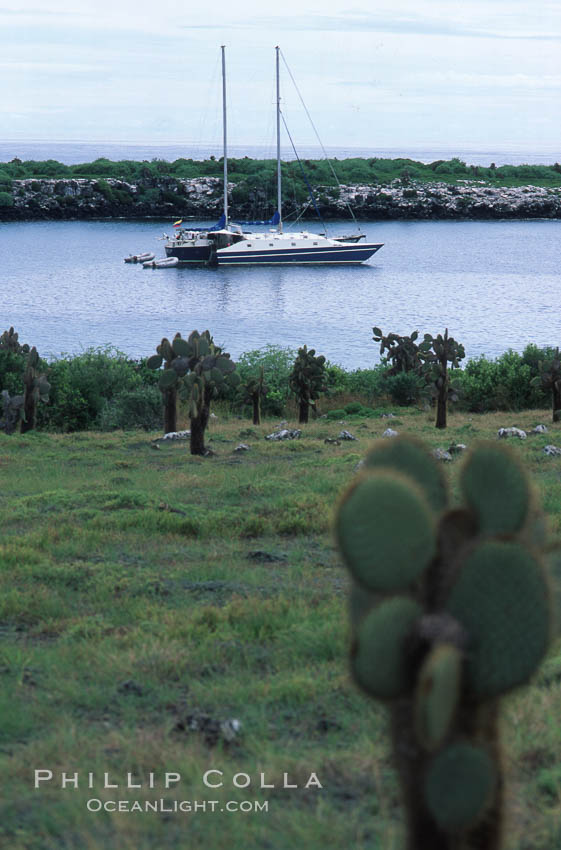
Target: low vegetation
x,y
257,176
105,390
162,611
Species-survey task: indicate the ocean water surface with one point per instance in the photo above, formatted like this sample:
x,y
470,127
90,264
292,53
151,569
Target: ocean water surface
x,y
494,285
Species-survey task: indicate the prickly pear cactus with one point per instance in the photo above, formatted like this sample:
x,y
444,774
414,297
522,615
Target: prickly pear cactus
x,y
442,350
36,388
254,390
209,371
9,342
450,609
403,352
172,355
307,380
550,379
197,369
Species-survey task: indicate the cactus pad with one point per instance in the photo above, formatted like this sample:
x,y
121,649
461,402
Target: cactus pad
x,y
385,531
167,379
380,665
459,786
502,599
438,691
409,456
496,488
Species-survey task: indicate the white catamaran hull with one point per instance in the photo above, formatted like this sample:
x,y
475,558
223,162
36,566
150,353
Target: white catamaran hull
x,y
288,249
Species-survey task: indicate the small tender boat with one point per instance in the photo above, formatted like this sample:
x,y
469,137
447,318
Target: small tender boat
x,y
164,263
139,258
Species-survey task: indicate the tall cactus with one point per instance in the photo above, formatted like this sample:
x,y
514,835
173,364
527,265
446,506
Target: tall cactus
x,y
195,368
36,388
209,370
170,354
550,379
450,609
307,380
254,390
438,352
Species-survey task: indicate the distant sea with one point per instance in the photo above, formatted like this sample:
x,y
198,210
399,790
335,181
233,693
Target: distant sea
x,y
75,152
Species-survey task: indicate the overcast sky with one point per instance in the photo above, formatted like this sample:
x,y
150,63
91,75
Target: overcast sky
x,y
481,74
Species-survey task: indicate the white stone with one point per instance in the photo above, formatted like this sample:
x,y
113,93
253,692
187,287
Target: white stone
x,y
389,432
503,433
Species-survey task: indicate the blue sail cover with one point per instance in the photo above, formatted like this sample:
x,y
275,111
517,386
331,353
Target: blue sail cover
x,y
274,220
219,224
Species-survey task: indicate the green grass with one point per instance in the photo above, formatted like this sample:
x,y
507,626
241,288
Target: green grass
x,y
147,596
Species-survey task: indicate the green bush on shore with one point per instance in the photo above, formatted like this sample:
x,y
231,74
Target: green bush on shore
x,y
257,176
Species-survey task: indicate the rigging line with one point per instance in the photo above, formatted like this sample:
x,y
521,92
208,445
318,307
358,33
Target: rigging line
x,y
310,190
318,137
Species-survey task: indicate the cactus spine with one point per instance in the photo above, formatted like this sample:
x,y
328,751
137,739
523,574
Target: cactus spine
x,y
440,640
307,381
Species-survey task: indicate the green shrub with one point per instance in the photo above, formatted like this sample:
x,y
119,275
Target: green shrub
x,y
81,386
368,383
277,362
405,388
6,199
12,366
502,384
139,408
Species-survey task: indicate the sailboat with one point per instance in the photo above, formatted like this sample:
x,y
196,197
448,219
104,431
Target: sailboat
x,y
199,245
280,248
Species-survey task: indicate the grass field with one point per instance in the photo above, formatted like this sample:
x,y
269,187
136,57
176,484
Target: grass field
x,y
150,598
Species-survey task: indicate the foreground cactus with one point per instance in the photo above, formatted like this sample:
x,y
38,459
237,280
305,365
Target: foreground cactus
x,y
307,381
450,609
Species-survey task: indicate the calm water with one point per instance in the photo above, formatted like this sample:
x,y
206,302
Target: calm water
x,y
64,287
75,152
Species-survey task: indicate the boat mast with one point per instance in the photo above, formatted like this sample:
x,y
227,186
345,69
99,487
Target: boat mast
x,y
279,178
225,139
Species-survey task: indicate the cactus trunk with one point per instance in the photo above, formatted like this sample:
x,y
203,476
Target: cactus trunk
x,y
170,410
556,404
303,412
256,401
29,411
198,428
441,410
412,763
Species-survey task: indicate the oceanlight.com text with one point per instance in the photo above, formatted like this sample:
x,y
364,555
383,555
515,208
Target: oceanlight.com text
x,y
174,806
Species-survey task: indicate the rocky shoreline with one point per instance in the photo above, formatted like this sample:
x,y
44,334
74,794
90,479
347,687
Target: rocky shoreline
x,y
201,198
